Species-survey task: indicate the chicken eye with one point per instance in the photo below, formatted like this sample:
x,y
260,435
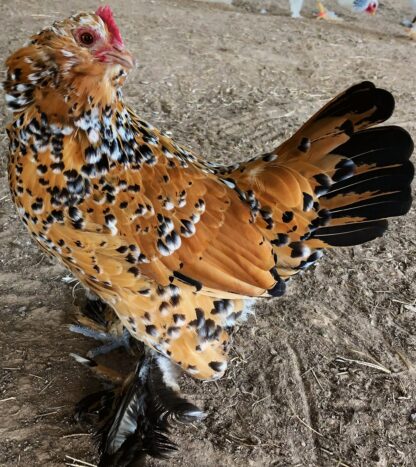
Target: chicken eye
x,y
86,38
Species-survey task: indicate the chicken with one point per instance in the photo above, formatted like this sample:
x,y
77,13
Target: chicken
x,y
368,6
411,24
178,246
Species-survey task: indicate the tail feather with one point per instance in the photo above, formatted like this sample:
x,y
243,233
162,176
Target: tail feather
x,y
389,180
379,189
351,234
333,183
376,206
357,99
375,146
358,108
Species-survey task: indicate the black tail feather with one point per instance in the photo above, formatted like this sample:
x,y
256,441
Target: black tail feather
x,y
352,234
375,146
358,206
358,98
384,179
380,206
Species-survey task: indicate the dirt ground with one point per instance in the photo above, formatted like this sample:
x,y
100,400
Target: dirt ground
x,y
322,377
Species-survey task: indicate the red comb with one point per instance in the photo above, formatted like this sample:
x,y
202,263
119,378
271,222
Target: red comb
x,y
106,14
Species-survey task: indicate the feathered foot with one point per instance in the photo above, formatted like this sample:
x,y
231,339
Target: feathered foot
x,y
110,341
98,321
101,371
134,418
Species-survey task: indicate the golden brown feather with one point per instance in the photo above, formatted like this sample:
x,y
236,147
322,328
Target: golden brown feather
x,y
173,243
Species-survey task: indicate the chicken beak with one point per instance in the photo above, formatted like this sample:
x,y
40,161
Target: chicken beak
x,y
121,57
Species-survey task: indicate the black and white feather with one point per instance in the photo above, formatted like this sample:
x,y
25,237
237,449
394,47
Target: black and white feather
x,y
135,419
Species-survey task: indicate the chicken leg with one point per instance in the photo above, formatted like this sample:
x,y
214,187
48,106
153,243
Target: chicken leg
x,y
96,320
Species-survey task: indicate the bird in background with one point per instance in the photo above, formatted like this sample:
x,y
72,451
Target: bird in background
x,y
358,6
411,24
176,246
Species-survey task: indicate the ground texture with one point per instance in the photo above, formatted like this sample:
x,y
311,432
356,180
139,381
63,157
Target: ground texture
x,y
322,377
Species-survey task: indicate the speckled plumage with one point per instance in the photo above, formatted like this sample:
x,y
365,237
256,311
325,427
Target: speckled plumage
x,y
173,243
